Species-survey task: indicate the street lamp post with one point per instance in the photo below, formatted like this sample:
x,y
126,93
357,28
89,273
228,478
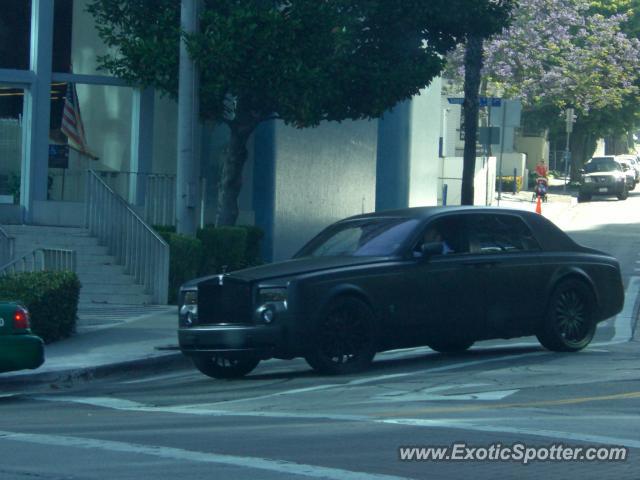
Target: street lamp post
x,y
571,118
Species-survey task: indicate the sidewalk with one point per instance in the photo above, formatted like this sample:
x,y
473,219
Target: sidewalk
x,y
145,341
557,208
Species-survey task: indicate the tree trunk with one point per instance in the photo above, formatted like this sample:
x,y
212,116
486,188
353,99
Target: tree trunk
x,y
473,66
230,181
582,146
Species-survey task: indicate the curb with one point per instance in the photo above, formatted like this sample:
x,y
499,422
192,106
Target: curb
x,y
72,376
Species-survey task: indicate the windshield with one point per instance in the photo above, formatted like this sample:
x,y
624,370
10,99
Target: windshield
x,y
601,165
367,237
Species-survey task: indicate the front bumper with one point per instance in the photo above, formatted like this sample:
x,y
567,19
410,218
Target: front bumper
x,y
262,340
607,188
19,352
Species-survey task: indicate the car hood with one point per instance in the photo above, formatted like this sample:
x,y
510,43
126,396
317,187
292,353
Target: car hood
x,y
604,174
290,268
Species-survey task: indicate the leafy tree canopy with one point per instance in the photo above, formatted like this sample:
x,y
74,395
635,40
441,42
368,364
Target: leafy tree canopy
x,y
303,61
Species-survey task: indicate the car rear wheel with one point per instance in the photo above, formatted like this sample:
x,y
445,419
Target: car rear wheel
x,y
450,345
569,325
345,338
583,197
223,367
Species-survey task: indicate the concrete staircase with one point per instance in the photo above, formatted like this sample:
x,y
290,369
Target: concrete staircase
x,y
103,281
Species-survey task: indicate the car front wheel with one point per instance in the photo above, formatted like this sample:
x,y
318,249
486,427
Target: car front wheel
x,y
623,194
569,325
224,367
583,197
344,338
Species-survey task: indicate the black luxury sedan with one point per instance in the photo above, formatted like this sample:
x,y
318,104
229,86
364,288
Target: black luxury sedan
x,y
438,276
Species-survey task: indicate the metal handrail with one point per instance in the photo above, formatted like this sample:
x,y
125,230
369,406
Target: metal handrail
x,y
42,259
144,254
6,247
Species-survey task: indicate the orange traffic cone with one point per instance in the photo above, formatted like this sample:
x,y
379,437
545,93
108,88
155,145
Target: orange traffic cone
x,y
539,206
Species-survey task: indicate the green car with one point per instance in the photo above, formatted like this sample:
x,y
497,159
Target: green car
x,y
19,348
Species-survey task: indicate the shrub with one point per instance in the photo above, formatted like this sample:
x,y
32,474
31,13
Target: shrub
x,y
50,297
185,258
224,248
507,184
210,252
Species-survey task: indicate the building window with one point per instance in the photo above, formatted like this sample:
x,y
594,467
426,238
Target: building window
x,y
11,100
15,34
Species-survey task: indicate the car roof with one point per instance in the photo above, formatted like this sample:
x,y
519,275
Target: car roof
x,y
427,212
547,233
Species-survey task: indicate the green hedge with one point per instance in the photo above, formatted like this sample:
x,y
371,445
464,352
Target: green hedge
x,y
507,184
210,252
50,297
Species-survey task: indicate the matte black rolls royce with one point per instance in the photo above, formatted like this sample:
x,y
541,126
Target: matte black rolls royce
x,y
442,277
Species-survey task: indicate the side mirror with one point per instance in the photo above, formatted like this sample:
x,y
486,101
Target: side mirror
x,y
581,171
430,249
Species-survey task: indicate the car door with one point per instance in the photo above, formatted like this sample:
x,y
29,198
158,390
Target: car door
x,y
448,295
508,262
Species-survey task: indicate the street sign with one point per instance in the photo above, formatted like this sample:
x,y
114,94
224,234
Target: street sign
x,y
489,135
490,101
484,101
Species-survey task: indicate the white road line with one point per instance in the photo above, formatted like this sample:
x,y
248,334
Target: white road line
x,y
179,454
366,380
624,320
464,425
165,376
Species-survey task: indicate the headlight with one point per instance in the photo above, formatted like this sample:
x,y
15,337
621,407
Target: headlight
x,y
189,307
271,301
588,180
271,295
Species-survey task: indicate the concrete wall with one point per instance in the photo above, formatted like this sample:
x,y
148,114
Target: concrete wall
x,y
534,148
306,179
484,180
426,124
511,161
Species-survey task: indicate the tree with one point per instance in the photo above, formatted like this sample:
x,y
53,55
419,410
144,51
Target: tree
x,y
558,54
302,61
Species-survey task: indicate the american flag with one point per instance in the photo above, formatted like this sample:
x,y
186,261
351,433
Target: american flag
x,y
72,125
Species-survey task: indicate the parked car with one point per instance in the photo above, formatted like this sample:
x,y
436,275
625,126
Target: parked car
x,y
603,176
630,170
19,348
445,277
632,161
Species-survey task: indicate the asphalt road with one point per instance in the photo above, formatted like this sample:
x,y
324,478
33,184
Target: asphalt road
x,y
284,421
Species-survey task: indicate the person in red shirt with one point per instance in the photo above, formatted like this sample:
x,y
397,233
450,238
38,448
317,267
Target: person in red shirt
x,y
541,169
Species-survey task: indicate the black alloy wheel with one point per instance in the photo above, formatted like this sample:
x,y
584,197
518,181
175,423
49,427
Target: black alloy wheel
x,y
225,367
583,197
450,345
569,325
345,340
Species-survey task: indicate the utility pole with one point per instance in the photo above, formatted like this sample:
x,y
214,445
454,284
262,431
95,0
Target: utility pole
x,y
187,168
571,118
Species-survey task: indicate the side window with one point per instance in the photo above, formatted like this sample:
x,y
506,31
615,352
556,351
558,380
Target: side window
x,y
495,233
448,230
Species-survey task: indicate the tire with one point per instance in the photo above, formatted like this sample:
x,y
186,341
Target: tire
x,y
345,338
451,345
624,194
583,197
569,325
223,367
